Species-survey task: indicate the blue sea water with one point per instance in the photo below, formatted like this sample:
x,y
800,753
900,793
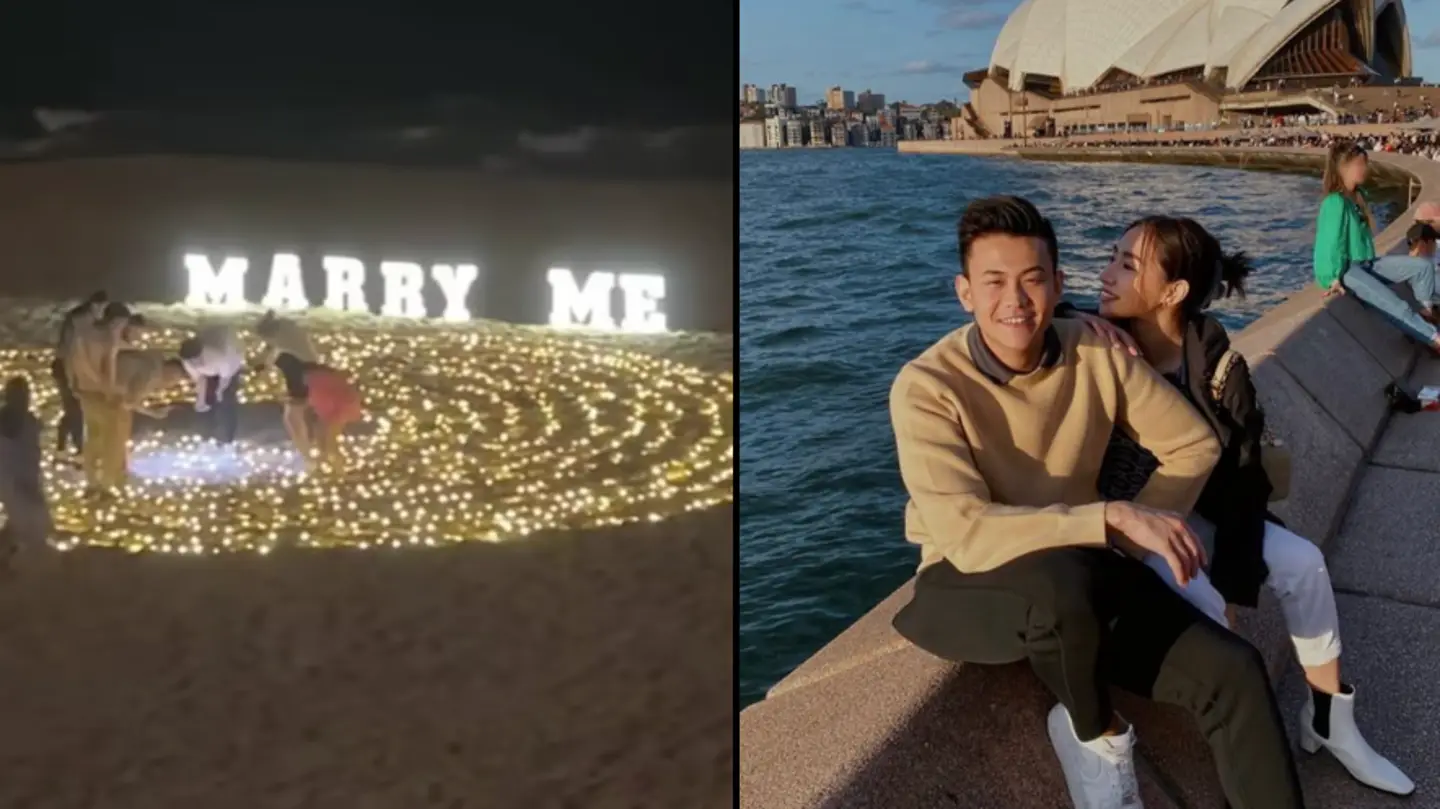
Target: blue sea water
x,y
846,265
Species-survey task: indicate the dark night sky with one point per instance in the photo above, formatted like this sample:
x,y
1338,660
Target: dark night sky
x,y
571,62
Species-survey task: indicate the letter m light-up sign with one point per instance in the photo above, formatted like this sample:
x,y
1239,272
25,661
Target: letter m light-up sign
x,y
222,287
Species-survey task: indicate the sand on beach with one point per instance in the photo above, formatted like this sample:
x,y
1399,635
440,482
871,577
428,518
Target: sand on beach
x,y
575,669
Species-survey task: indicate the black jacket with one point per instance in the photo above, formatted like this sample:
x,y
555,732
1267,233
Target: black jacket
x,y
1237,495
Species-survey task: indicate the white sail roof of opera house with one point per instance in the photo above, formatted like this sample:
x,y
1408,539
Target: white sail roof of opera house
x,y
1079,41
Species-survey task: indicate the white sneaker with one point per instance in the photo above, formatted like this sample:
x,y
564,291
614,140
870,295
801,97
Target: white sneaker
x,y
1100,774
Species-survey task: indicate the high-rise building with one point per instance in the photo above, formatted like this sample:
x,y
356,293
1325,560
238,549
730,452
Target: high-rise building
x,y
782,96
838,99
870,103
751,94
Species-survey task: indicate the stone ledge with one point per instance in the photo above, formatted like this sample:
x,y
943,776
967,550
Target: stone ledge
x,y
870,721
890,740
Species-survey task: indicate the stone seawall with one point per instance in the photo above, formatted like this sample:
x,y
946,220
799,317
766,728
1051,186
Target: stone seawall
x,y
1309,161
870,721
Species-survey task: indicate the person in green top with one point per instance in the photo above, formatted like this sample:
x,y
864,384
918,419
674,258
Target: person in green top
x,y
1345,259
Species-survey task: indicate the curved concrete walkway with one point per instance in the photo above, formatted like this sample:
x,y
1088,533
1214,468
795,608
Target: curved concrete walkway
x,y
1385,562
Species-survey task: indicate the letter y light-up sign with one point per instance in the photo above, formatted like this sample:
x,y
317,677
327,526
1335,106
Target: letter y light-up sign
x,y
223,287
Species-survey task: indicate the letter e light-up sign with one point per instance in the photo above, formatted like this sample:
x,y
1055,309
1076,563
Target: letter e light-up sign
x,y
223,287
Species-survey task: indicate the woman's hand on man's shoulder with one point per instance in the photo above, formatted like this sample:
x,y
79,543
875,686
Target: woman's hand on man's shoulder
x,y
1116,336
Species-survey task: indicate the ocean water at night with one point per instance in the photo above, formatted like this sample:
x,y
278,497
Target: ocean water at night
x,y
846,265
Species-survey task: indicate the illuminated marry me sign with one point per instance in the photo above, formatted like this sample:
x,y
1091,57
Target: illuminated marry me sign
x,y
404,282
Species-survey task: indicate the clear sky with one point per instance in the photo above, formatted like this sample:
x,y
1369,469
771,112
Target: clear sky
x,y
644,63
915,50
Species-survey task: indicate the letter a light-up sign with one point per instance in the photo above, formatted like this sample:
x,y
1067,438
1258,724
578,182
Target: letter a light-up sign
x,y
571,305
287,288
404,287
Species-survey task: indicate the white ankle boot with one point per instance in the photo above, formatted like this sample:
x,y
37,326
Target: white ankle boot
x,y
1349,747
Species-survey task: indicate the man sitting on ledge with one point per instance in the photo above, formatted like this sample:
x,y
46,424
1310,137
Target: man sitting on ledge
x,y
1001,428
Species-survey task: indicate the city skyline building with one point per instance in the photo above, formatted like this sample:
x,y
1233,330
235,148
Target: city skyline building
x,y
837,98
782,96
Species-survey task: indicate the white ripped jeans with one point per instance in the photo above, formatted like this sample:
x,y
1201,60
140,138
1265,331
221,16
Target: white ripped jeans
x,y
1298,578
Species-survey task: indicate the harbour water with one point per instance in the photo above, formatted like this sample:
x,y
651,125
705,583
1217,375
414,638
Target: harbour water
x,y
846,263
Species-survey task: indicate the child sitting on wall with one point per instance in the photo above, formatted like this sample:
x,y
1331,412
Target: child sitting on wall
x,y
1421,238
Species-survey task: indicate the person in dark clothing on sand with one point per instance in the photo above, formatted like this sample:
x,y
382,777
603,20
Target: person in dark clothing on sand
x,y
215,362
290,350
71,427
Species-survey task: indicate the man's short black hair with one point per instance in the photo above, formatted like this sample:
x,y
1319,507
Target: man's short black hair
x,y
1012,216
1421,232
115,310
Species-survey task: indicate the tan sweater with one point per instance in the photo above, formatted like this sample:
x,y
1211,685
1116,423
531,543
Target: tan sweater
x,y
89,358
997,468
138,374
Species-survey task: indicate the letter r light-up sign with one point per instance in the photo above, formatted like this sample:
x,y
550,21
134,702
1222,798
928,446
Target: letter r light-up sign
x,y
571,304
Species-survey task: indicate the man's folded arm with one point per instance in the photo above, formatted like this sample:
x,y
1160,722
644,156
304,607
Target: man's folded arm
x,y
953,500
1162,420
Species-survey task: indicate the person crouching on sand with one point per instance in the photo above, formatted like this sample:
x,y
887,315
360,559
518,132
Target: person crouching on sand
x,y
1163,276
336,404
140,374
144,373
291,351
28,523
215,362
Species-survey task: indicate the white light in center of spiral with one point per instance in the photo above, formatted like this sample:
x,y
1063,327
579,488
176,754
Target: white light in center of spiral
x,y
209,463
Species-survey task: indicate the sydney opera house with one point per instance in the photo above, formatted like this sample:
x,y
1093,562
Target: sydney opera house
x,y
1074,66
